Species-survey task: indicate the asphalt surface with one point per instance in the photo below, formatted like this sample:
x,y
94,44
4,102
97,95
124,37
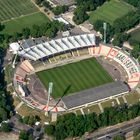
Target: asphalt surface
x,y
109,134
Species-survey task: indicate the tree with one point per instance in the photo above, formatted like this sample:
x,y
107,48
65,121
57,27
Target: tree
x,y
60,9
119,137
135,51
46,4
38,2
26,32
80,15
23,135
136,132
139,59
49,129
5,127
120,38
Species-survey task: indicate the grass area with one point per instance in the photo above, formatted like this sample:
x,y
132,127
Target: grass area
x,y
8,74
91,109
136,35
75,77
16,101
109,103
132,98
24,110
15,8
110,11
121,100
78,112
18,24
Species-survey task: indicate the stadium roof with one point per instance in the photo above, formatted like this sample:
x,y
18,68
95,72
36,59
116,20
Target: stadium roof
x,y
94,94
44,49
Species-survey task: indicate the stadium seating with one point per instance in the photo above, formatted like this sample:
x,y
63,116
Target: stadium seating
x,y
122,58
39,51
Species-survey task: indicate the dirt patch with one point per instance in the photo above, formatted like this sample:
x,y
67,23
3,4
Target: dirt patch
x,y
8,136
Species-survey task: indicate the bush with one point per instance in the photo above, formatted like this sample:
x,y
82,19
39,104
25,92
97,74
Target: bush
x,y
5,127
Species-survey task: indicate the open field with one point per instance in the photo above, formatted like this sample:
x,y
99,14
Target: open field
x,y
18,24
75,77
110,11
8,74
24,110
136,35
121,100
132,98
91,109
15,8
109,103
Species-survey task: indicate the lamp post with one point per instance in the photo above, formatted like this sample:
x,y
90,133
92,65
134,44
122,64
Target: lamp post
x,y
49,93
105,27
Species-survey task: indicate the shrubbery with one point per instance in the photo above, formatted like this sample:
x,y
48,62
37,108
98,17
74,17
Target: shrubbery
x,y
70,125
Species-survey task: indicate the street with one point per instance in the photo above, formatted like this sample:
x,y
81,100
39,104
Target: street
x,y
119,129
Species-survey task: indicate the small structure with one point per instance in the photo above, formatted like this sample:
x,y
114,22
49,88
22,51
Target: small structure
x,y
54,117
66,34
14,47
60,19
55,3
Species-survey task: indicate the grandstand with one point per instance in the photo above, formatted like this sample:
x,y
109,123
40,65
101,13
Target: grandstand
x,y
62,51
44,50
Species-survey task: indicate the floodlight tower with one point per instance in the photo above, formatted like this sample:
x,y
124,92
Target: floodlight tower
x,y
13,64
49,93
105,27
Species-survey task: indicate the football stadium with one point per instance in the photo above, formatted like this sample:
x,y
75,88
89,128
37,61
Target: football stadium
x,y
82,72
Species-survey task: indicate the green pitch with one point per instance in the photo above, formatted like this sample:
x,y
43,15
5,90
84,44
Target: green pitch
x,y
75,77
15,8
110,11
18,24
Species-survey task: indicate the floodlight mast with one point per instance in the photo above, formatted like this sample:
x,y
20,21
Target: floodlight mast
x,y
49,93
105,27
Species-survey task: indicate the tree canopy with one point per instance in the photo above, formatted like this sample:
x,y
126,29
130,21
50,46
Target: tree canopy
x,y
60,9
70,125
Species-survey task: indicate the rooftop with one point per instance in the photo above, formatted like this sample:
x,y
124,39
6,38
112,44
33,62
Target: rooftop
x,y
94,94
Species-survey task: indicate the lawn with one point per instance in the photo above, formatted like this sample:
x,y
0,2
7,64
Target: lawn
x,y
132,98
75,77
91,109
121,100
109,103
136,35
15,8
110,11
8,74
18,24
24,110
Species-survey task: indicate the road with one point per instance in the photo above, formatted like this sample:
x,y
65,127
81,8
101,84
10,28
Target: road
x,y
109,132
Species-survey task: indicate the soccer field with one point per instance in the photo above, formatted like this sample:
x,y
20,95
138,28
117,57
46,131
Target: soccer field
x,y
18,24
15,8
75,77
110,11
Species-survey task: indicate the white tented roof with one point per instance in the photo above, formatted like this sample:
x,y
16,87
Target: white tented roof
x,y
52,47
14,47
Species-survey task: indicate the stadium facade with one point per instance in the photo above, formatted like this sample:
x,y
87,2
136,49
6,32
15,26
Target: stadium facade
x,y
44,50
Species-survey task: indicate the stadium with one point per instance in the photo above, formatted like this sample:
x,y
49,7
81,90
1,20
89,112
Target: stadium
x,y
82,72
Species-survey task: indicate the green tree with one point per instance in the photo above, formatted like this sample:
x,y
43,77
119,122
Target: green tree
x,y
49,129
60,9
5,127
23,135
119,137
135,51
26,33
38,2
80,15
